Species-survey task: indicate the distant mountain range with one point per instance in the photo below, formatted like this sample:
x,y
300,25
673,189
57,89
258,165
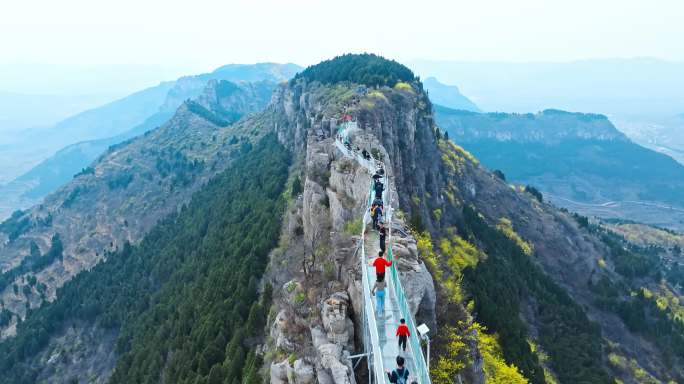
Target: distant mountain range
x,y
625,87
448,95
122,120
580,160
19,111
640,95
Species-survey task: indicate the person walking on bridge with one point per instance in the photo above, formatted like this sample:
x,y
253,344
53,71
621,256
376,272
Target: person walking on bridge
x,y
379,292
383,236
376,215
380,263
399,375
403,333
378,187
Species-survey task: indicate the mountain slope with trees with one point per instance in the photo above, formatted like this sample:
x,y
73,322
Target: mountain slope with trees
x,y
185,298
82,138
122,195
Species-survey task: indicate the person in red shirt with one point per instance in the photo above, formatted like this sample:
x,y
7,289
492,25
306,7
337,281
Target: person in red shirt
x,y
403,333
380,263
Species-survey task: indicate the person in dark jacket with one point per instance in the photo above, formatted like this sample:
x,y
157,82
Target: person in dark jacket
x,y
382,232
378,187
399,375
376,215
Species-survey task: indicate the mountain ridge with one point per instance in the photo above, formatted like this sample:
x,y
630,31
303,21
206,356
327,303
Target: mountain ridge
x,y
31,186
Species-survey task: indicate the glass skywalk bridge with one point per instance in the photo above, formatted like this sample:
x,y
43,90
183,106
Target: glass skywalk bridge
x,y
380,342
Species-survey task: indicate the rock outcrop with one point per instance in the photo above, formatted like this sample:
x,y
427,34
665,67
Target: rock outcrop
x,y
325,228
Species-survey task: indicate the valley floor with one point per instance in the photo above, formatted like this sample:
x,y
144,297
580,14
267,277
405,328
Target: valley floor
x,y
647,212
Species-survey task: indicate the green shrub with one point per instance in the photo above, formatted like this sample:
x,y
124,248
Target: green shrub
x,y
329,271
353,227
300,298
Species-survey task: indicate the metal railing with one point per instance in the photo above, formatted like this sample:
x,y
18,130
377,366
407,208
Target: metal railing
x,y
375,352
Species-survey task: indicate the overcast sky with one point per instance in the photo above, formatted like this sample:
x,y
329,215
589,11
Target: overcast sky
x,y
179,37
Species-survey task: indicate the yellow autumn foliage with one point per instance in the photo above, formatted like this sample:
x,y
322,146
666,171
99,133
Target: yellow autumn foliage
x,y
495,368
403,86
506,227
456,357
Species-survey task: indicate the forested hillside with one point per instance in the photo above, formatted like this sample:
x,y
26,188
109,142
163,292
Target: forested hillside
x,y
184,300
121,195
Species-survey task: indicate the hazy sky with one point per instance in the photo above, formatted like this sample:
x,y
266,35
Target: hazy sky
x,y
180,37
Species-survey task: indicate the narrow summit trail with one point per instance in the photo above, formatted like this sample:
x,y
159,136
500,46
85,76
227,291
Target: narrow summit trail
x,y
381,343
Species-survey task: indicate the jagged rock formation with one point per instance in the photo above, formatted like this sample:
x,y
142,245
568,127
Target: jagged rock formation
x,y
334,195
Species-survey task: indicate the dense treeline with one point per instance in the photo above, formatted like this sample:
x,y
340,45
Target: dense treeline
x,y
630,260
648,313
34,262
498,286
368,69
185,299
173,163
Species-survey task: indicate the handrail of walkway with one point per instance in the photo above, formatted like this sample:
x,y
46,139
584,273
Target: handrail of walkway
x,y
369,311
422,372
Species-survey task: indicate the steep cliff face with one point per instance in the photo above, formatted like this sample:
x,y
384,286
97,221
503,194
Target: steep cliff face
x,y
122,195
317,322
